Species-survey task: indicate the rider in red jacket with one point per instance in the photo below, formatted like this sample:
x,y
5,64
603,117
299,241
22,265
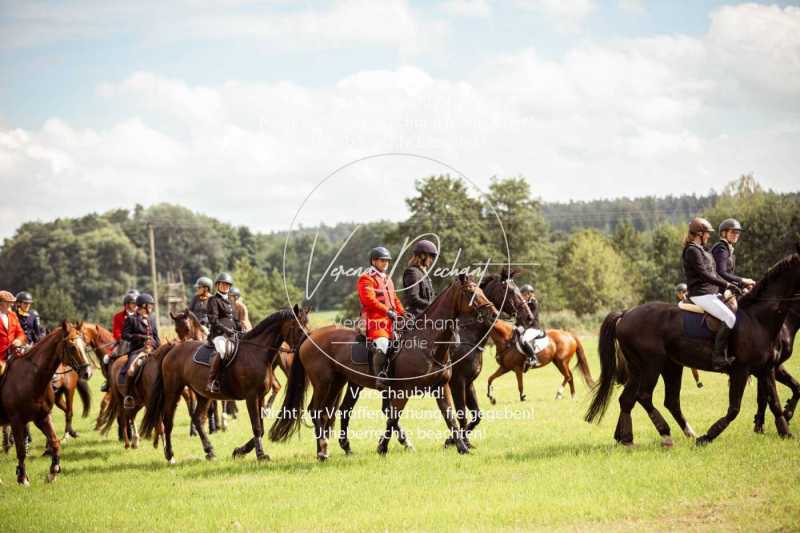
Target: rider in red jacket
x,y
11,334
380,308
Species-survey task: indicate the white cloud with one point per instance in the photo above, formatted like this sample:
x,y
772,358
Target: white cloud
x,y
467,8
567,14
632,6
646,116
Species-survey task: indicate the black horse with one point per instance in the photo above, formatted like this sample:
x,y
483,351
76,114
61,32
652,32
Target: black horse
x,y
652,343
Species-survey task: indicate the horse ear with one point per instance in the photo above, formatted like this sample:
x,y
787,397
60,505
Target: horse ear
x,y
80,325
462,278
296,310
172,315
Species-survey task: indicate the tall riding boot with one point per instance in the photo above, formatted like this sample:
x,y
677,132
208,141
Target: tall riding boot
x,y
719,357
213,371
129,402
532,361
379,367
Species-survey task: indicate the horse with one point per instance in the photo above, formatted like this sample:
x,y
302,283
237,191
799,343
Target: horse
x,y
501,290
125,418
26,394
422,364
245,377
562,346
784,345
639,344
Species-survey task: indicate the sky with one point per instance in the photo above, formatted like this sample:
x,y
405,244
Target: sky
x,y
240,109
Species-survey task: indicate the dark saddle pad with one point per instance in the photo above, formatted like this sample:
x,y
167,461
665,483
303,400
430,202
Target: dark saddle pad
x,y
695,326
123,372
203,355
359,351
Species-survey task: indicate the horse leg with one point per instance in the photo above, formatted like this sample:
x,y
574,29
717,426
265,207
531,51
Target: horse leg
x,y
6,439
673,377
103,406
783,376
497,373
564,369
761,405
349,402
328,417
188,398
275,388
444,401
775,405
392,409
197,417
645,399
459,392
254,410
475,412
212,417
18,428
172,395
623,433
696,376
46,426
69,398
132,428
520,384
736,387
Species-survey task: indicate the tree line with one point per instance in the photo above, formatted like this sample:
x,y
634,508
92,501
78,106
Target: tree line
x,y
610,253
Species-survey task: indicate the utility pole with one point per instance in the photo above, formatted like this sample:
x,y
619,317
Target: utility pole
x,y
153,275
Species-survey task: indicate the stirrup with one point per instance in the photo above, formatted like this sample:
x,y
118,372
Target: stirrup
x,y
213,387
129,402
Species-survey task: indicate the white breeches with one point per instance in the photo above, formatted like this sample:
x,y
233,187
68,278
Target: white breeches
x,y
223,346
712,305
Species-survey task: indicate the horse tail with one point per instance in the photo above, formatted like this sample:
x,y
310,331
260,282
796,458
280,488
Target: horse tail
x,y
155,406
107,417
583,363
291,414
610,372
86,396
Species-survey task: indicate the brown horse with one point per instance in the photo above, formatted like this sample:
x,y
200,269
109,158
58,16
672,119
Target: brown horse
x,y
244,378
467,357
562,347
422,364
125,418
638,345
26,395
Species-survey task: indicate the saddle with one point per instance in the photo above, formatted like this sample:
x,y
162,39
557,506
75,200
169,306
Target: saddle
x,y
359,351
202,356
134,368
698,324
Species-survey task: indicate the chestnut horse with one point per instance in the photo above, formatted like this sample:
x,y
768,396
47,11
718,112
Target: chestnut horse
x,y
563,345
244,378
638,345
422,364
26,394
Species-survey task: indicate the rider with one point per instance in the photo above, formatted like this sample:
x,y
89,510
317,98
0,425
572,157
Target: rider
x,y
117,323
28,318
705,284
12,337
418,290
141,331
380,308
199,303
221,327
724,257
682,296
241,316
535,332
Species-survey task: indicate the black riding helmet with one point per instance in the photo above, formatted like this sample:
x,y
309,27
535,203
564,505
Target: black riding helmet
x,y
24,297
144,299
203,281
425,247
235,292
129,298
379,253
224,277
730,223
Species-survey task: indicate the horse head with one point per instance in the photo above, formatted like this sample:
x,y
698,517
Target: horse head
x,y
71,349
471,299
294,331
504,293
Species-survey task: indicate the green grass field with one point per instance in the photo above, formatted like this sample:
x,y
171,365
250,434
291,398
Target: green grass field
x,y
537,465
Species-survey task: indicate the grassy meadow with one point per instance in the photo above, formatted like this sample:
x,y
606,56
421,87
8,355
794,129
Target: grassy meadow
x,y
536,465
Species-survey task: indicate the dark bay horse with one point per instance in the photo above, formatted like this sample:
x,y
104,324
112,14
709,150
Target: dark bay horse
x,y
562,347
421,365
26,394
467,358
244,379
651,343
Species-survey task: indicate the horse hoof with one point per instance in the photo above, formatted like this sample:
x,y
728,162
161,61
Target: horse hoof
x,y
666,441
559,396
210,456
759,429
237,453
24,482
703,441
171,461
383,450
449,442
73,434
322,457
787,436
263,457
699,385
463,450
51,477
629,445
523,398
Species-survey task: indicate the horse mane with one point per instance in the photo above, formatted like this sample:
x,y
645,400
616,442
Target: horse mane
x,y
438,297
787,263
269,323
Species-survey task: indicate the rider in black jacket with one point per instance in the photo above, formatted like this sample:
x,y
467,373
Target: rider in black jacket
x,y
222,326
724,256
141,331
417,286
